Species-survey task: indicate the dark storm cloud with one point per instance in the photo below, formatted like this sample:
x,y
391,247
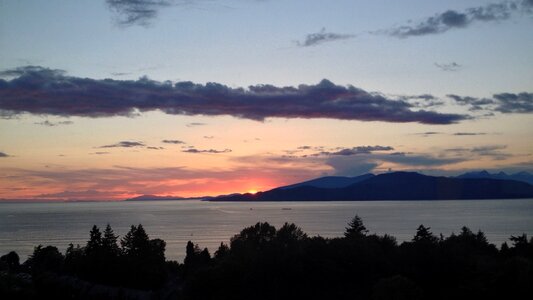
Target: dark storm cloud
x,y
136,12
2,154
124,144
173,142
38,90
449,67
213,151
451,19
314,39
52,124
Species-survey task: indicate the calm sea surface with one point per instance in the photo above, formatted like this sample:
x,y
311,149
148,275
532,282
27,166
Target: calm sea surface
x,y
25,225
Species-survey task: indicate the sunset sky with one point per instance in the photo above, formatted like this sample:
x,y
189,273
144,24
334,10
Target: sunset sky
x,y
106,100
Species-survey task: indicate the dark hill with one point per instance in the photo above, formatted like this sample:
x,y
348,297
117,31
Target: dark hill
x,y
399,186
329,182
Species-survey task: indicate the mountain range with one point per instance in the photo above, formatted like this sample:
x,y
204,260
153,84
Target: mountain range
x,y
394,186
521,176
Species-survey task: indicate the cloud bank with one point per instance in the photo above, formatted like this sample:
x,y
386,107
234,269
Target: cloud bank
x,y
44,91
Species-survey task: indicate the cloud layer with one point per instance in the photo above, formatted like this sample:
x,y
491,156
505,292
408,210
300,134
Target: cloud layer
x,y
39,90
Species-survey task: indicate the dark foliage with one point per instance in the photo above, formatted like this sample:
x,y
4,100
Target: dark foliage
x,y
262,262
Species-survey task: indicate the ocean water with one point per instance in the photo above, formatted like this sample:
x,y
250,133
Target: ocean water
x,y
26,225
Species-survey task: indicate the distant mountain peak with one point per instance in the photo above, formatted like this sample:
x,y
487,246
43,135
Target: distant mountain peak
x,y
521,176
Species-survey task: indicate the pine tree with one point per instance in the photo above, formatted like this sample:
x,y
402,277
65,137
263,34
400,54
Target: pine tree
x,y
423,235
95,241
355,228
109,241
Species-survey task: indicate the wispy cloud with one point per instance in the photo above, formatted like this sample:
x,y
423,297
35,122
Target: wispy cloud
x,y
321,37
212,151
194,124
520,103
452,19
136,12
52,124
38,90
428,133
469,133
495,152
124,144
449,67
176,142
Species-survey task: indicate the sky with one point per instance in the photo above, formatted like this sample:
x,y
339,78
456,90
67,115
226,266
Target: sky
x,y
113,99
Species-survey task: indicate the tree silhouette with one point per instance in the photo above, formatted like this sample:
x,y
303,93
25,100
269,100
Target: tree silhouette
x,y
109,242
423,235
11,261
355,228
94,245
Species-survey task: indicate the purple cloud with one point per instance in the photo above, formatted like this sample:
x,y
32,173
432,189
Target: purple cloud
x,y
38,90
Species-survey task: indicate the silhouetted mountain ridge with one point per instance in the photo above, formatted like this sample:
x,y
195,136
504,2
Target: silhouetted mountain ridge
x,y
398,186
329,182
521,176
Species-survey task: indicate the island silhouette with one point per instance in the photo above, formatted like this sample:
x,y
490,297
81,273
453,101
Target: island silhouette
x,y
394,186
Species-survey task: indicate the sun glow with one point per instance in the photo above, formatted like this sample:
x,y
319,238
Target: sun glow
x,y
252,191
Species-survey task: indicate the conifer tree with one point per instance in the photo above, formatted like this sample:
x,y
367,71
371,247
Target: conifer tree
x,y
355,228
